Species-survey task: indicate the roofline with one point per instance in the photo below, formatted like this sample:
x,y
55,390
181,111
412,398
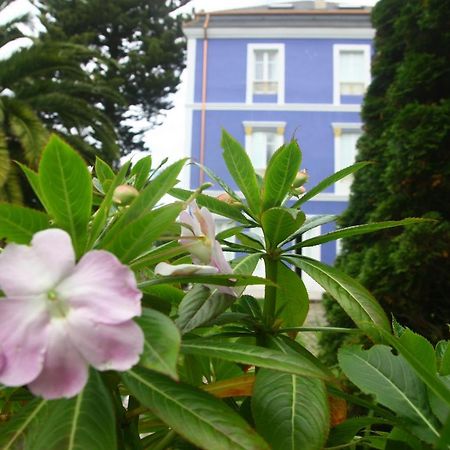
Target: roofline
x,y
282,12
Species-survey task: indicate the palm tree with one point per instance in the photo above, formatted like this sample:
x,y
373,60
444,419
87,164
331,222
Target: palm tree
x,y
46,88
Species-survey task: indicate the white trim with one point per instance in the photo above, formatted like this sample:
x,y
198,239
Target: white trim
x,y
337,48
338,128
307,107
347,126
283,33
251,66
323,197
263,124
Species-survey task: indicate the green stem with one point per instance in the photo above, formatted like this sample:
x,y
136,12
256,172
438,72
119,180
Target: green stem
x,y
270,297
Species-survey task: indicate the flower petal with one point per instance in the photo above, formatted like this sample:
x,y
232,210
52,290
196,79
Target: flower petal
x,y
218,259
65,372
23,338
105,346
102,287
30,270
165,269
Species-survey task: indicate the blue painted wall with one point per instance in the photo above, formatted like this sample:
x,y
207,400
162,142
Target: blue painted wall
x,y
312,129
308,63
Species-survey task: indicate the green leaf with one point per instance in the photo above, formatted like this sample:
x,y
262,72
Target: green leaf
x,y
290,412
254,356
213,204
391,379
280,174
242,171
445,362
355,231
344,432
137,237
280,223
354,299
420,346
315,221
86,421
102,214
141,170
292,297
33,179
103,171
330,181
67,189
232,280
18,224
199,306
419,362
197,416
147,199
14,432
162,342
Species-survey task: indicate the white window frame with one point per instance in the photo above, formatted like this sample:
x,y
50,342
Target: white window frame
x,y
251,127
251,69
337,49
338,129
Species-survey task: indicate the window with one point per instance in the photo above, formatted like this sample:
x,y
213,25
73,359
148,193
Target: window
x,y
262,139
346,136
265,72
351,70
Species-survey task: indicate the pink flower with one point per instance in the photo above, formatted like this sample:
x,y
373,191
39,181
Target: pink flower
x,y
198,235
165,269
58,317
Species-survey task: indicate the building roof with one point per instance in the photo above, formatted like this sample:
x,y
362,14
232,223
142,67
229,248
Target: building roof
x,y
295,14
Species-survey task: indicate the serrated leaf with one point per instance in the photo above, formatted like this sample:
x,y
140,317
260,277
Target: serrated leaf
x,y
280,223
103,171
18,224
199,306
354,299
141,171
242,171
67,189
33,179
147,199
280,174
83,422
329,181
391,379
355,231
197,416
254,356
292,297
290,412
102,213
213,204
137,237
161,344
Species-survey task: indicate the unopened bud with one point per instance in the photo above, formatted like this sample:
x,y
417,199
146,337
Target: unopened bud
x,y
124,194
227,198
299,191
300,179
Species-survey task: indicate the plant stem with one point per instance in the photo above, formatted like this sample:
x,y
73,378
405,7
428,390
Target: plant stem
x,y
270,296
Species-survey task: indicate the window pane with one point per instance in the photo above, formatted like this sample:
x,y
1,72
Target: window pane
x,y
258,151
351,66
348,149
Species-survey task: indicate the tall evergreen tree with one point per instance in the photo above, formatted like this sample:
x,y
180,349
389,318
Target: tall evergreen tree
x,y
43,89
145,47
406,116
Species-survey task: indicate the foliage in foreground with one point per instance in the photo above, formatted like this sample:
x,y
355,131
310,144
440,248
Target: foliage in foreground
x,y
219,369
407,135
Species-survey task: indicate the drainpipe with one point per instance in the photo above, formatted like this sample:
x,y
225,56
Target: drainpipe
x,y
203,110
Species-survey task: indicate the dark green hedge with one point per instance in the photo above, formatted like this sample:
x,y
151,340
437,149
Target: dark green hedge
x,y
406,115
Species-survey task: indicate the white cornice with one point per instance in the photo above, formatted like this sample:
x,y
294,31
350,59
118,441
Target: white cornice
x,y
308,107
282,33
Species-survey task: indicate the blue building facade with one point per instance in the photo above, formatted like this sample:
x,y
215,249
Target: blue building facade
x,y
271,73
